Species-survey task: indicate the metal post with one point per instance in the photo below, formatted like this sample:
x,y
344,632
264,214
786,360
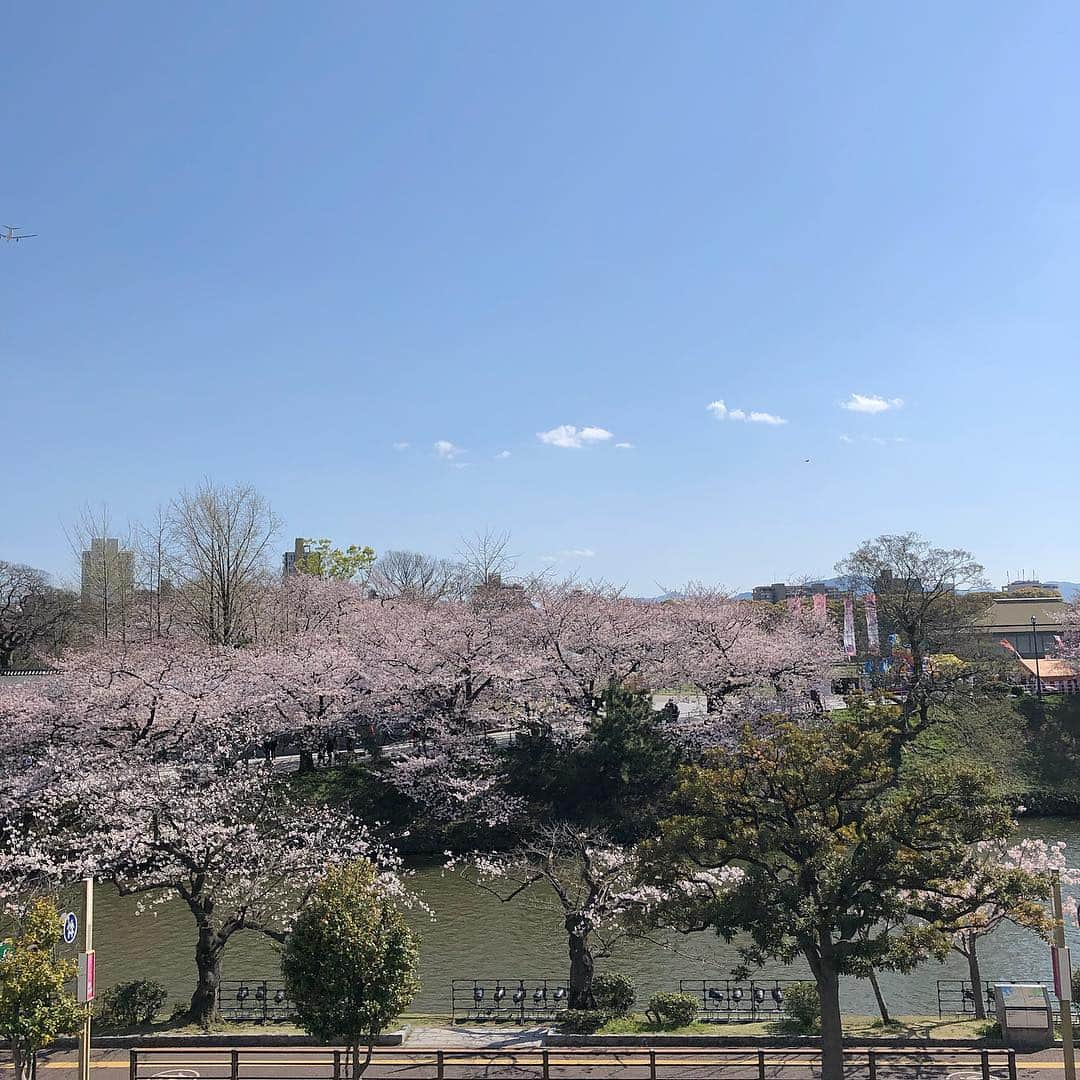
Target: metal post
x,y
234,1065
1035,651
984,1063
761,1064
337,1065
1012,1064
133,1065
1064,978
544,1057
872,1059
652,1063
440,1065
88,946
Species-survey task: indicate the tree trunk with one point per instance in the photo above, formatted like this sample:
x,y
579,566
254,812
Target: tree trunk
x,y
975,975
580,995
882,1004
832,1032
360,1067
23,1061
205,1009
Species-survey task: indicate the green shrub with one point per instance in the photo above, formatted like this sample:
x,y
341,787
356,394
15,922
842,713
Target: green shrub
x,y
614,992
584,1021
803,1005
131,1003
676,1010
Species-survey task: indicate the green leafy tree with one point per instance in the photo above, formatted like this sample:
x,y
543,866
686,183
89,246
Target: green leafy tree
x,y
35,1006
323,560
349,963
848,859
615,778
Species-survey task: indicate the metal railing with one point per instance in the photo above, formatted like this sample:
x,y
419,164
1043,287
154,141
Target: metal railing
x,y
507,999
955,997
724,1000
578,1063
253,1000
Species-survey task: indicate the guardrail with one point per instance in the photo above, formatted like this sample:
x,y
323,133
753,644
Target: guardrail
x,y
507,999
545,1063
728,1001
253,1000
956,998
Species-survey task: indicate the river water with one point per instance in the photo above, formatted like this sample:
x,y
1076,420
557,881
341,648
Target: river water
x,y
474,935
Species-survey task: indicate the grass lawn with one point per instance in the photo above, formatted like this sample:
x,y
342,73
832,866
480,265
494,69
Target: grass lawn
x,y
867,1027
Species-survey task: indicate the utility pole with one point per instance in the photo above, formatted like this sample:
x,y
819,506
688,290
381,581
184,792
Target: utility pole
x,y
1063,979
86,981
1035,652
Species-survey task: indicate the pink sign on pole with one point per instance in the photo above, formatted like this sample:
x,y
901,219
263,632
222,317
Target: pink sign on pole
x,y
870,603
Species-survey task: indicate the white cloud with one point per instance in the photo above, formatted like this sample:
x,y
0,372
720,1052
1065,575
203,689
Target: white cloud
x,y
569,437
568,554
502,455
875,440
870,403
446,449
401,446
720,410
624,446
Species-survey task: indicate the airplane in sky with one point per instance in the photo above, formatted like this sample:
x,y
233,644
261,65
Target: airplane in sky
x,y
13,234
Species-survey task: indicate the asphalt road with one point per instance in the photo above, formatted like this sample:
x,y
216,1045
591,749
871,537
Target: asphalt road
x,y
586,1063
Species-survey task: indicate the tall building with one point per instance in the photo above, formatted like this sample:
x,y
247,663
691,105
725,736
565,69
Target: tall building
x,y
107,584
290,558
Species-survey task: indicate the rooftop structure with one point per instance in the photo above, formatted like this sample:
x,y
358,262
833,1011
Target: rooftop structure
x,y
1009,619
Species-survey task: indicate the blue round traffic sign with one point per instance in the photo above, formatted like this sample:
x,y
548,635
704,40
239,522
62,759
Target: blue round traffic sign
x,y
71,927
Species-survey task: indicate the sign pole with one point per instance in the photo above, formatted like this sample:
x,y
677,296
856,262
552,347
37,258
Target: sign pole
x,y
1063,979
88,950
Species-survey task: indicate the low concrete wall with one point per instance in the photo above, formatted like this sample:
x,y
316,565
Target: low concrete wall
x,y
217,1039
809,1042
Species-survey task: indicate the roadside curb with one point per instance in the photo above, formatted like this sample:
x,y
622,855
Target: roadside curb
x,y
791,1042
216,1040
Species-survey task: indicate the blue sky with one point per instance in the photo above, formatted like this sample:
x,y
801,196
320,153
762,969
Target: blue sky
x,y
275,240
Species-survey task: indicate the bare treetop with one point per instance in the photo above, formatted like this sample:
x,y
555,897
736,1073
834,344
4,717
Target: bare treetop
x,y
486,558
220,538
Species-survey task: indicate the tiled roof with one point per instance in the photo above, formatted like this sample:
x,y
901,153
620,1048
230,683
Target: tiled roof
x,y
1015,612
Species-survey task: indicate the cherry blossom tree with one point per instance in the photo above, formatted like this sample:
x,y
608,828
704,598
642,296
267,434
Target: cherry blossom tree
x,y
163,801
748,660
445,675
229,843
1014,883
596,883
592,636
311,690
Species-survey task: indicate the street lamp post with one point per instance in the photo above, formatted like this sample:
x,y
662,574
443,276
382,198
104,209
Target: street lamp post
x,y
1035,650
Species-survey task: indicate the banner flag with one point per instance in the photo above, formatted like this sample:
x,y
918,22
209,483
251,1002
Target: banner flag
x,y
870,603
820,606
849,626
